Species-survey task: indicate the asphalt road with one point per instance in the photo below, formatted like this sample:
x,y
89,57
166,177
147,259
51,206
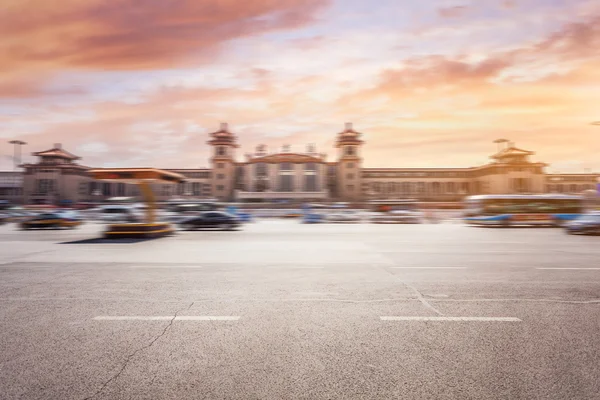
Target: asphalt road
x,y
282,310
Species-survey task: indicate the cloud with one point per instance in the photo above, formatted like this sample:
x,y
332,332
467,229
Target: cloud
x,y
508,4
453,12
439,70
129,34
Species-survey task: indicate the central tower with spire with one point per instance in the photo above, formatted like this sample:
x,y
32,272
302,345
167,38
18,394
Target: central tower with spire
x,y
222,161
349,166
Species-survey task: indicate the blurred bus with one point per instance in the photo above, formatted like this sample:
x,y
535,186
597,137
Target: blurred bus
x,y
510,210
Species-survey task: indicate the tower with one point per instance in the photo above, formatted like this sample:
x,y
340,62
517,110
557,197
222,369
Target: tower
x,y
349,164
223,163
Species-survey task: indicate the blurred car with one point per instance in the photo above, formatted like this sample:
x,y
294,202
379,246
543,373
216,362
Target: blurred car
x,y
3,218
586,224
64,219
292,214
117,213
18,214
345,216
397,217
212,220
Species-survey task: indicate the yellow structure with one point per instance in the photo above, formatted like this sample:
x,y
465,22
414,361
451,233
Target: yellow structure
x,y
143,177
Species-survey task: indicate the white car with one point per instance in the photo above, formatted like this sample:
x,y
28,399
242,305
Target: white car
x,y
119,214
346,216
398,217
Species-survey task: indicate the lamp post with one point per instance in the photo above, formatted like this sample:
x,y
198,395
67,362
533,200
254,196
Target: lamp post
x,y
17,152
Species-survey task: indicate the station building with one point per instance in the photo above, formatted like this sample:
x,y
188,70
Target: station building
x,y
308,176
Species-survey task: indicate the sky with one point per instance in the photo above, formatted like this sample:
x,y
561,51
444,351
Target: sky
x,y
429,83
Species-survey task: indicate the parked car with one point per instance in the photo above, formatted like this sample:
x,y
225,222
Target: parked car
x,y
212,220
586,224
59,219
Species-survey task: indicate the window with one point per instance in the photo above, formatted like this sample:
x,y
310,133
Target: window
x,y
390,187
220,165
285,167
166,190
46,186
350,151
106,189
286,183
350,165
220,187
196,188
310,167
221,151
310,183
220,176
83,187
261,169
120,189
349,176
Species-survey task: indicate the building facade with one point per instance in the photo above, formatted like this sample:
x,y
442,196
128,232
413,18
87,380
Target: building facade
x,y
11,186
264,176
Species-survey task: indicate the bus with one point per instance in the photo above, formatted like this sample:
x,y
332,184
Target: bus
x,y
512,210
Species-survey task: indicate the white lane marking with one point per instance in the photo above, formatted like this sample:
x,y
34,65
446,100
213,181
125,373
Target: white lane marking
x,y
472,319
590,269
165,318
165,266
429,267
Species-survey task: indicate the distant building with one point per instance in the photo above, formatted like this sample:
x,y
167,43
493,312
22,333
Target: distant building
x,y
11,186
303,176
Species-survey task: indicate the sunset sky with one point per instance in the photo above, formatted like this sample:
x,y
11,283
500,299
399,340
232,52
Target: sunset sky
x,y
429,82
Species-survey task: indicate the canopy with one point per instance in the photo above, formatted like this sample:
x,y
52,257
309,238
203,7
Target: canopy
x,y
135,175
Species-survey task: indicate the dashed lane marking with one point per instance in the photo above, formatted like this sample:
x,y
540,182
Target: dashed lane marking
x,y
453,319
165,318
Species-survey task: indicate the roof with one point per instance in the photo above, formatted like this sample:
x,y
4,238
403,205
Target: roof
x,y
56,152
136,174
511,152
286,157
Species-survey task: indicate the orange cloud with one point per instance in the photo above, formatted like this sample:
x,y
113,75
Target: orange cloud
x,y
128,34
453,12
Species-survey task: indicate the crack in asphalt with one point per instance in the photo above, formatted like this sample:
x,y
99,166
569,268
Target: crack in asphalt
x,y
420,296
132,355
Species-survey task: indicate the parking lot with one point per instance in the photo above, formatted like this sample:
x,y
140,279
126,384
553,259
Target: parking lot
x,y
284,310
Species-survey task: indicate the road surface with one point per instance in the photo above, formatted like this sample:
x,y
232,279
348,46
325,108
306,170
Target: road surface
x,y
283,310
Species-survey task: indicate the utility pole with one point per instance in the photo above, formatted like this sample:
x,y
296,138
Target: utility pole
x,y
17,152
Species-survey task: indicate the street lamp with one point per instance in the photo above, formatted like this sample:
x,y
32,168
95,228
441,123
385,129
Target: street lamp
x,y
17,152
